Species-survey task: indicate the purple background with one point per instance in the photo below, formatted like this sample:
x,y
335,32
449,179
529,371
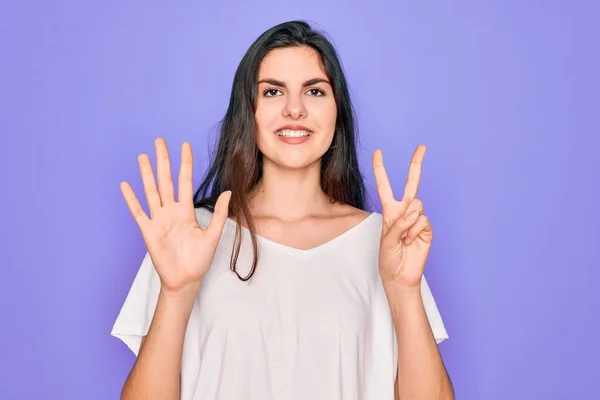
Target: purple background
x,y
504,93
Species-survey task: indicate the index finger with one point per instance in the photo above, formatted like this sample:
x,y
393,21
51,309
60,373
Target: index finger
x,y
384,188
414,174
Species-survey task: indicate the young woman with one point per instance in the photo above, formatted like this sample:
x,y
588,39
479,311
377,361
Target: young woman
x,y
272,282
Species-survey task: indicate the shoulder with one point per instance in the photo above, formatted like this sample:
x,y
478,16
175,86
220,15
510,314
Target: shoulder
x,y
351,213
357,216
362,225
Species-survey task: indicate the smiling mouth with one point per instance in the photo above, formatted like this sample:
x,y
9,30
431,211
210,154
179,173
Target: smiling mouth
x,y
293,133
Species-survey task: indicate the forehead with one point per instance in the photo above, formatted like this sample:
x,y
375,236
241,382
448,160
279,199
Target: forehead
x,y
292,64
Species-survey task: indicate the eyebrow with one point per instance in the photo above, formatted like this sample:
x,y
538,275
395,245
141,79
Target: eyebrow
x,y
309,82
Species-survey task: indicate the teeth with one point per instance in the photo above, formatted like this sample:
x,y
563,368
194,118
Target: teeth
x,y
293,133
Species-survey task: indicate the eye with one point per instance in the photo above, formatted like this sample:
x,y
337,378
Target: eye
x,y
316,92
271,92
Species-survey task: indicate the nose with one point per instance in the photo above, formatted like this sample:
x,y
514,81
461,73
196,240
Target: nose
x,y
294,107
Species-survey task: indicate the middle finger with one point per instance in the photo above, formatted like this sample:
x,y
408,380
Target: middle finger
x,y
163,166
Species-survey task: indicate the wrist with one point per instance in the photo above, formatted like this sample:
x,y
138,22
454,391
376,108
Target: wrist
x,y
173,309
183,295
396,288
402,299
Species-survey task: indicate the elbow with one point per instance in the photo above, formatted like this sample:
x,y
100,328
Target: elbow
x,y
446,389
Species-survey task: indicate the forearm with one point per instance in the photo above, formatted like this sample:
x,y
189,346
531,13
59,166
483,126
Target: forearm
x,y
157,370
421,372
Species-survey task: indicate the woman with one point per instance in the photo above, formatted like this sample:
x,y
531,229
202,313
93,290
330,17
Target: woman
x,y
272,281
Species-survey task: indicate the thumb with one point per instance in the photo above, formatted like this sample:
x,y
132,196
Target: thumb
x,y
215,227
402,225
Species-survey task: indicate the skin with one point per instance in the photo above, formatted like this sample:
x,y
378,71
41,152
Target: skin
x,y
283,97
288,201
289,207
406,239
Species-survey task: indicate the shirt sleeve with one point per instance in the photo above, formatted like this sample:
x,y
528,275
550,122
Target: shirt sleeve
x,y
433,314
134,318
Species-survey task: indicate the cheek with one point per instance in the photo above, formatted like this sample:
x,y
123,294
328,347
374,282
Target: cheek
x,y
265,118
326,114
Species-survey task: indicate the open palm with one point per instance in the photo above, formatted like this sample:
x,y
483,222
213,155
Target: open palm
x,y
181,251
406,232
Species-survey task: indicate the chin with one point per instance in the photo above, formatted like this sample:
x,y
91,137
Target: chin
x,y
296,163
293,160
294,156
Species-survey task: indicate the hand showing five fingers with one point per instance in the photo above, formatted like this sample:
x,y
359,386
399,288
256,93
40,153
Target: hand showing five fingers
x,y
180,250
406,232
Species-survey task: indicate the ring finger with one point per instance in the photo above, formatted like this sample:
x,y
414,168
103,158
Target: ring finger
x,y
421,225
415,205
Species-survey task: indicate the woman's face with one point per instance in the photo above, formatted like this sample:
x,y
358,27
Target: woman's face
x,y
295,108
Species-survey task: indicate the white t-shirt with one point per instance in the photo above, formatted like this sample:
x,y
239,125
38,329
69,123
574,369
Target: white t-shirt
x,y
310,324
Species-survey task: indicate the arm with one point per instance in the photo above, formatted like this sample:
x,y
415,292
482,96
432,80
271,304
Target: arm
x,y
421,371
157,370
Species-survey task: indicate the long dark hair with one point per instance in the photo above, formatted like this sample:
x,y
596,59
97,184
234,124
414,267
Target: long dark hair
x,y
237,163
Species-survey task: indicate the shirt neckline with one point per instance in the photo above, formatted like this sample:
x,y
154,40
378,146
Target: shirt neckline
x,y
313,250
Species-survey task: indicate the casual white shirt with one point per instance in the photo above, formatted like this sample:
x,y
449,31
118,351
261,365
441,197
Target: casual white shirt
x,y
310,324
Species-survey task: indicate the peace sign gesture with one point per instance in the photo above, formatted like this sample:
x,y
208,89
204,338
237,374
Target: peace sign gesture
x,y
406,232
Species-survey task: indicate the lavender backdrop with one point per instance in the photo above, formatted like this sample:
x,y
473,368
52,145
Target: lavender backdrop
x,y
504,93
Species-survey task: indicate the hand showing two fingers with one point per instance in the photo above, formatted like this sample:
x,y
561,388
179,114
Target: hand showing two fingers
x,y
406,232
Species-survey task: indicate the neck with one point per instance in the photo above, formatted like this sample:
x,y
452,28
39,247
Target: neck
x,y
289,195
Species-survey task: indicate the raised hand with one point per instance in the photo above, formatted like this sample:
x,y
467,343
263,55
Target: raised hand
x,y
406,232
180,249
